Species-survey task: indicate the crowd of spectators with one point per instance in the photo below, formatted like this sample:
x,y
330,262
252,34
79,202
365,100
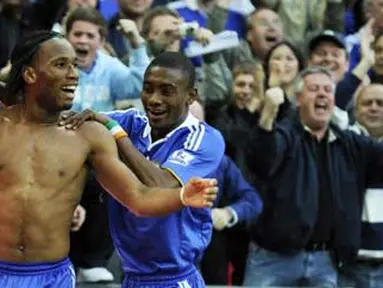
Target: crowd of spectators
x,y
294,208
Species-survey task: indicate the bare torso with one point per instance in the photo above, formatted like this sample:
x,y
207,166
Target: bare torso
x,y
42,173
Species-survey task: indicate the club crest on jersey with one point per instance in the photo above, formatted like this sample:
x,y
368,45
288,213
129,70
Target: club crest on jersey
x,y
181,157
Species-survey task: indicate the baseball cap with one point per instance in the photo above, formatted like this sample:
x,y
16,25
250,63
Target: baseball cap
x,y
327,35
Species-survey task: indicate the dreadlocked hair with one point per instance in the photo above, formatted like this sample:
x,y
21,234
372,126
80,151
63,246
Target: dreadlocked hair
x,y
22,56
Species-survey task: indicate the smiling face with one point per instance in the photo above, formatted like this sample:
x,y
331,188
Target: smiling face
x,y
283,59
316,101
369,109
266,31
243,89
329,55
53,76
86,39
166,97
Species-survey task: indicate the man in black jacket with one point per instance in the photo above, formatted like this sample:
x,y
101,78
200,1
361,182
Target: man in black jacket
x,y
316,177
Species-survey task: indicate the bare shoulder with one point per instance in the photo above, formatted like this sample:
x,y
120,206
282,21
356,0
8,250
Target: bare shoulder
x,y
97,135
7,115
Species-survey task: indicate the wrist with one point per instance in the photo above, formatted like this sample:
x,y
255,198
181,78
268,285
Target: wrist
x,y
116,130
137,42
182,196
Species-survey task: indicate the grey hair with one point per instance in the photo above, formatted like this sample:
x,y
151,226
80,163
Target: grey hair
x,y
299,81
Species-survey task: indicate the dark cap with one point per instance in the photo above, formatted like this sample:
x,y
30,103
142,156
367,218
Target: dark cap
x,y
327,36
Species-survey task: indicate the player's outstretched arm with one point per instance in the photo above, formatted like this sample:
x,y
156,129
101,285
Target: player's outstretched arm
x,y
124,186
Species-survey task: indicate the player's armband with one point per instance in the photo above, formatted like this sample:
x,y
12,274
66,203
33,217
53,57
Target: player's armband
x,y
117,131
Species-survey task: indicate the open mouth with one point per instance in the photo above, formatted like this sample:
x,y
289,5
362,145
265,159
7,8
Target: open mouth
x,y
321,106
82,53
271,39
69,90
154,114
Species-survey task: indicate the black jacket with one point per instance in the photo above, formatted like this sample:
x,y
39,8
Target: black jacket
x,y
286,158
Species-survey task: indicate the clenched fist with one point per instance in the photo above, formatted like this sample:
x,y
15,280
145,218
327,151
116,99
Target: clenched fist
x,y
130,30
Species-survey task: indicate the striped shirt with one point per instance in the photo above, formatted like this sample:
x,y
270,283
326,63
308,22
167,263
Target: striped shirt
x,y
372,216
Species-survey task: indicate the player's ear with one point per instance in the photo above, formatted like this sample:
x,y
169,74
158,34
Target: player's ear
x,y
192,95
29,75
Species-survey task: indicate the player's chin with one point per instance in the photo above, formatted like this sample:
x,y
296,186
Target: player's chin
x,y
67,105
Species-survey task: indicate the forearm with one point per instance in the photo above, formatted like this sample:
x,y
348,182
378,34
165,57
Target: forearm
x,y
361,69
123,185
346,89
145,170
268,117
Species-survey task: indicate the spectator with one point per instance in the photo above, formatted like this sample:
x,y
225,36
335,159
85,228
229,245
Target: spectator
x,y
372,12
237,203
367,271
161,29
132,10
235,119
317,176
376,72
105,83
67,8
264,30
282,64
303,19
328,49
298,17
195,10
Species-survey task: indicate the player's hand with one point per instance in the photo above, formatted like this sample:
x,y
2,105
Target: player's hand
x,y
200,193
78,218
72,120
221,218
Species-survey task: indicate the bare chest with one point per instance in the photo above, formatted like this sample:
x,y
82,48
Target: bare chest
x,y
46,158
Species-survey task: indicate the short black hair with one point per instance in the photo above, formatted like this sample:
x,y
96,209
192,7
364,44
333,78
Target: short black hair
x,y
87,14
22,56
176,60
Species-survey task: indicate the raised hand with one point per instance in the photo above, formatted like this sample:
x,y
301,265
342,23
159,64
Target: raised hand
x,y
199,193
130,30
367,39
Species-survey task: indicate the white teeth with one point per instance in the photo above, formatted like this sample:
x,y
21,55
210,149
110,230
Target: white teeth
x,y
69,87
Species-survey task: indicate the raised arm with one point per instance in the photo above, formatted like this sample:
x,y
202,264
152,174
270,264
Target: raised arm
x,y
123,185
266,148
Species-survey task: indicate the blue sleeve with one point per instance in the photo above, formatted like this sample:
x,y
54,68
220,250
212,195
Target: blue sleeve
x,y
199,156
126,82
125,118
236,22
354,56
243,198
345,90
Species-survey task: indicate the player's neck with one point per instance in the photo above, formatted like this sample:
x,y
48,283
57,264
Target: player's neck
x,y
34,114
161,132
